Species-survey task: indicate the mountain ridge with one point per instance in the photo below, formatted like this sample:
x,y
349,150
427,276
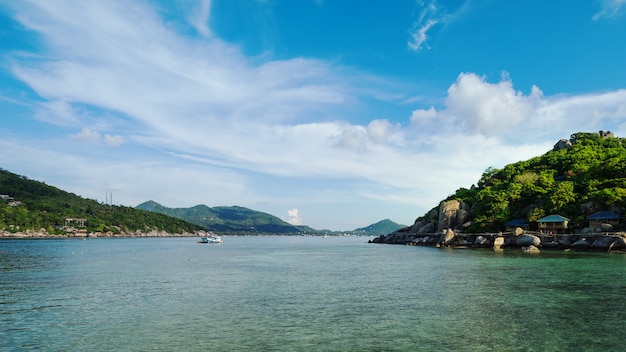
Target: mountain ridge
x,y
240,220
226,219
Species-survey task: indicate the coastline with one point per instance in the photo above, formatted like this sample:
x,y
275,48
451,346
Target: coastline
x,y
33,234
527,241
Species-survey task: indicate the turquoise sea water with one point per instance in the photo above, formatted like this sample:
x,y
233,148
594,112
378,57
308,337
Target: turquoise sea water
x,y
304,294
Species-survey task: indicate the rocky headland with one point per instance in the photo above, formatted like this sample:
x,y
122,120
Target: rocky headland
x,y
447,228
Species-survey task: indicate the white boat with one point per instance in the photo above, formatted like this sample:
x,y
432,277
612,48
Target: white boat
x,y
211,238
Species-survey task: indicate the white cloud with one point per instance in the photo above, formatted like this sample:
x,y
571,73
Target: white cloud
x,y
419,36
476,107
293,218
87,134
197,114
433,14
421,116
429,16
352,137
201,19
489,109
610,9
382,131
113,140
57,112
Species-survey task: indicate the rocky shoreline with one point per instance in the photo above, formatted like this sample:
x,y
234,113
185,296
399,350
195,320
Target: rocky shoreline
x,y
446,228
518,239
34,234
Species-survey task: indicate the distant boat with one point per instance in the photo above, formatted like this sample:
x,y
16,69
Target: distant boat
x,y
211,238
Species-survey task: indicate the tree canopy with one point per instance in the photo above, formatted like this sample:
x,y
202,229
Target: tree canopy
x,y
588,176
42,206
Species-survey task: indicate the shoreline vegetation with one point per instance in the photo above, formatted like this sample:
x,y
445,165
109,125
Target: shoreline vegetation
x,y
42,234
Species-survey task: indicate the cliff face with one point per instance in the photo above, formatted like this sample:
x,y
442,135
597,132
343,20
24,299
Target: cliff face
x,y
451,217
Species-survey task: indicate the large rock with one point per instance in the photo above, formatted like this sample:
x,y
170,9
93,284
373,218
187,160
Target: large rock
x,y
565,241
481,241
526,240
416,226
531,249
424,241
428,228
451,214
379,239
461,217
498,242
447,237
618,244
603,243
562,144
580,245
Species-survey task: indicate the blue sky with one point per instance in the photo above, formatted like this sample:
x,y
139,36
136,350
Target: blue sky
x,y
332,114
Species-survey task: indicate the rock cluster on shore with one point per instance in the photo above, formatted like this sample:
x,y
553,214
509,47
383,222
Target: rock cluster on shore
x,y
446,228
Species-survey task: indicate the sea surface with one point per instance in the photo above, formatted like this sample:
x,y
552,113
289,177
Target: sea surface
x,y
304,294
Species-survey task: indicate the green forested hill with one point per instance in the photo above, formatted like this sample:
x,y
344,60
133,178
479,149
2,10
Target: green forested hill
x,y
380,228
38,205
233,220
579,177
240,220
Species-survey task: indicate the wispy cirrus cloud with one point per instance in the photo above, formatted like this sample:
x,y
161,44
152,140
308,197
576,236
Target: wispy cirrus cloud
x,y
429,16
193,112
200,19
433,14
610,9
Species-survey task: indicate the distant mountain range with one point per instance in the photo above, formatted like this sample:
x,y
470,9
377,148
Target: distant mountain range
x,y
32,205
232,220
240,220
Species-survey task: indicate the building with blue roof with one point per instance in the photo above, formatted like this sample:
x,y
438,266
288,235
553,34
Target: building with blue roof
x,y
513,224
553,224
603,217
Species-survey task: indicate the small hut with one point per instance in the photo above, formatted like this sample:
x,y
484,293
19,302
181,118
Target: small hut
x,y
513,224
553,224
603,217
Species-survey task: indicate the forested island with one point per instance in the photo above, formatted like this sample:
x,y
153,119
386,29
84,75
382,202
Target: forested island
x,y
573,196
